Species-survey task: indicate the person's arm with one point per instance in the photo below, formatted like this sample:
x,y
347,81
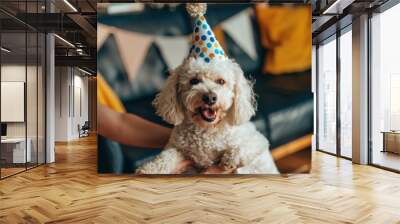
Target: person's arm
x,y
133,130
130,129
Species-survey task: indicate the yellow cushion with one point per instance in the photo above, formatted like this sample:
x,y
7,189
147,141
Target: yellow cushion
x,y
286,32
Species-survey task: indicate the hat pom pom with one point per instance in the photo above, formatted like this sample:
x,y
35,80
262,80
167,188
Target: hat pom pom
x,y
196,9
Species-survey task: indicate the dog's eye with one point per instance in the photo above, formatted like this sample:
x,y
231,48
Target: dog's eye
x,y
220,81
194,81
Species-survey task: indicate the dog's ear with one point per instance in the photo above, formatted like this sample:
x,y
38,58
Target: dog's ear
x,y
244,104
166,102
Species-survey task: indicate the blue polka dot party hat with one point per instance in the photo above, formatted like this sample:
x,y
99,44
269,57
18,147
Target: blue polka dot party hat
x,y
204,44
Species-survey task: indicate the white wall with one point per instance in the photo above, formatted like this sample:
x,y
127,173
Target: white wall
x,y
61,103
71,93
33,126
80,100
12,73
13,101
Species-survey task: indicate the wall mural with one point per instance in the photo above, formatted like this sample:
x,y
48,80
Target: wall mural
x,y
204,89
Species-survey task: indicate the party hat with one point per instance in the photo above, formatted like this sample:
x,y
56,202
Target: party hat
x,y
204,44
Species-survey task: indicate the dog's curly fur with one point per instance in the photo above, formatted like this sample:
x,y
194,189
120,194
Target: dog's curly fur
x,y
223,135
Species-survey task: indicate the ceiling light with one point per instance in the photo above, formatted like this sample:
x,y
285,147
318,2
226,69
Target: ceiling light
x,y
65,41
70,5
79,51
124,8
337,7
84,71
5,50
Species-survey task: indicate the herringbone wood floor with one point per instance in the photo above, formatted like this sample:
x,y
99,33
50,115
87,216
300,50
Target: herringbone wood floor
x,y
70,191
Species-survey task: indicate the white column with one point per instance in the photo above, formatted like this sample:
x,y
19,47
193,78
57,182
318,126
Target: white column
x,y
360,90
50,99
50,92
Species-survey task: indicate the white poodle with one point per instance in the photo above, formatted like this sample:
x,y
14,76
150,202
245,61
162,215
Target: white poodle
x,y
210,105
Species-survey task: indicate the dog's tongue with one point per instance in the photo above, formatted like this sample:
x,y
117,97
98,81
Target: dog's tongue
x,y
208,113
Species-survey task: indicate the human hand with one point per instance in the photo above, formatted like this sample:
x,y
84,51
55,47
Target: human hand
x,y
182,166
217,170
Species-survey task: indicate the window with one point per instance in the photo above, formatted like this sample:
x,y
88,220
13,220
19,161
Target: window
x,y
394,102
346,93
385,89
327,96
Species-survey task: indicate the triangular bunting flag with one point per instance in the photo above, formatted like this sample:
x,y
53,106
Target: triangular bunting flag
x,y
240,28
173,49
133,48
103,32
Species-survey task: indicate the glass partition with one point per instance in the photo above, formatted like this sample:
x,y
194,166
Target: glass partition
x,y
14,153
22,77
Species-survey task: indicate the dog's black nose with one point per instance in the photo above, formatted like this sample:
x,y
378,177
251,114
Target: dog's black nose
x,y
210,98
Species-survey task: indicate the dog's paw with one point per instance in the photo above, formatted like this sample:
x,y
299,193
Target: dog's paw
x,y
140,171
145,170
230,160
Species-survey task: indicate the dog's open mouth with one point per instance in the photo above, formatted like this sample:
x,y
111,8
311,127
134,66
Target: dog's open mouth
x,y
207,113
